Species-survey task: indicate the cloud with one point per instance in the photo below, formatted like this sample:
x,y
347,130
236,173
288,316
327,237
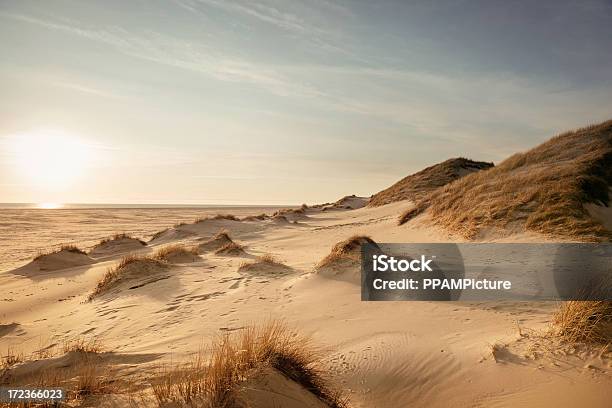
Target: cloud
x,y
86,89
266,13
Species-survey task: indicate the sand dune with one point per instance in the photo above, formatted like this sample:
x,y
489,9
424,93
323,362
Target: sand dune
x,y
177,253
132,272
418,184
64,258
544,190
216,242
344,260
266,265
119,243
351,202
231,249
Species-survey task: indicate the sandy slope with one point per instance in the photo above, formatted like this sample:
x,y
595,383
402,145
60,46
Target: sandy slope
x,y
388,354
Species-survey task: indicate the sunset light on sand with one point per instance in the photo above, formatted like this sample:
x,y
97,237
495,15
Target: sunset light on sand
x,y
306,204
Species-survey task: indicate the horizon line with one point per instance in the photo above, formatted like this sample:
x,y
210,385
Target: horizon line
x,y
49,205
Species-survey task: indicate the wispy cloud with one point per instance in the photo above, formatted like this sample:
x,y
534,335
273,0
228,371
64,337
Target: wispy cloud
x,y
166,50
267,13
86,89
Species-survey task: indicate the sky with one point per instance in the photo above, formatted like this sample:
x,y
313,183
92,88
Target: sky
x,y
283,101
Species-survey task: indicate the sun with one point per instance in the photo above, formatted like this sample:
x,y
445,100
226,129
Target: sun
x,y
48,160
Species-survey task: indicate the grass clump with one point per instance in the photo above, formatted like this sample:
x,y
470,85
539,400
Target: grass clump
x,y
586,321
228,217
10,358
80,372
215,380
120,237
175,251
231,248
217,241
542,190
347,250
130,266
82,345
259,217
263,262
64,248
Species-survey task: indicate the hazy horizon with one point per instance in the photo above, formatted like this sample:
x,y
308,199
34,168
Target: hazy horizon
x,y
75,206
268,102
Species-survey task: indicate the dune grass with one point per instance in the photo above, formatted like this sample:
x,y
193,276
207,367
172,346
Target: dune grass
x,y
119,237
114,274
228,217
214,379
231,248
263,261
418,184
82,345
217,241
259,217
588,321
81,376
285,211
167,252
10,357
542,190
64,248
349,249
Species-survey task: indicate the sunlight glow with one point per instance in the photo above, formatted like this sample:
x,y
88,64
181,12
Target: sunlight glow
x,y
49,206
49,161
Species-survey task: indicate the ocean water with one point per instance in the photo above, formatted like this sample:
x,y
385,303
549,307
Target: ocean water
x,y
26,230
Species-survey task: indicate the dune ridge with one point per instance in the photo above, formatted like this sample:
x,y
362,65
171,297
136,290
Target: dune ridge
x,y
420,183
544,190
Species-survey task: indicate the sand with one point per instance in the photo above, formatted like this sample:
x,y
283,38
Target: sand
x,y
384,354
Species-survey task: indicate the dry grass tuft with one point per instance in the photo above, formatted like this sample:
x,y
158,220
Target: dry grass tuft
x,y
265,261
228,217
285,211
347,250
542,190
10,358
259,217
64,248
119,237
82,345
113,275
219,240
79,372
174,251
588,321
231,248
215,381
